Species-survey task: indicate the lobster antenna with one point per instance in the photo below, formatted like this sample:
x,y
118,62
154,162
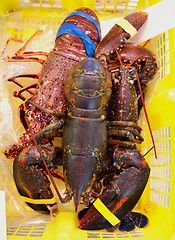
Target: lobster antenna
x,y
148,151
118,56
24,46
146,42
135,59
41,155
141,95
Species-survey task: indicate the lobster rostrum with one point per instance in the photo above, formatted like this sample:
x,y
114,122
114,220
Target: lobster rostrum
x,y
76,39
128,172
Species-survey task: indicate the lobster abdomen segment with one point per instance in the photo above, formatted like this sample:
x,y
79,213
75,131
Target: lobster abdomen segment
x,y
84,150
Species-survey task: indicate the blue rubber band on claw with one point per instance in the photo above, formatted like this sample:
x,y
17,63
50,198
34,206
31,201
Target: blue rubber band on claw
x,y
75,30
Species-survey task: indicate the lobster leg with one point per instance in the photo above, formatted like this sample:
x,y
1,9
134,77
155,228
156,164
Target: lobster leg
x,y
49,131
26,88
134,174
46,110
23,98
15,81
21,55
30,178
132,134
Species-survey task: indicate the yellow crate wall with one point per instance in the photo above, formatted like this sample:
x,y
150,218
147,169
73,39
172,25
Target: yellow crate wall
x,y
105,6
157,201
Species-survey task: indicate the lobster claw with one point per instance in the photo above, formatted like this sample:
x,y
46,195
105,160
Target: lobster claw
x,y
31,180
118,200
120,33
131,220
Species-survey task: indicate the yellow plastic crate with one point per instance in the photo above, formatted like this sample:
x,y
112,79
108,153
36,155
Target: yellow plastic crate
x,y
157,201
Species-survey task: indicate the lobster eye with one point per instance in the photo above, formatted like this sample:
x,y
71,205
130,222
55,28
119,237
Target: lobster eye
x,y
118,75
132,74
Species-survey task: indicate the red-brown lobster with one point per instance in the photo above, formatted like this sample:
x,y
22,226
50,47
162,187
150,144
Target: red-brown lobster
x,y
127,174
71,46
76,39
87,88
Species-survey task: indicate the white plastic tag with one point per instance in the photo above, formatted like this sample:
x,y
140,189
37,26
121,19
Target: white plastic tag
x,y
126,25
3,234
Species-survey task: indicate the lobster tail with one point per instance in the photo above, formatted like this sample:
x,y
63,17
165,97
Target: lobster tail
x,y
87,88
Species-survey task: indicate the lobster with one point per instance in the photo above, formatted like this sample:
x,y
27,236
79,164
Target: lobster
x,y
131,68
76,39
117,37
71,46
128,171
84,141
75,144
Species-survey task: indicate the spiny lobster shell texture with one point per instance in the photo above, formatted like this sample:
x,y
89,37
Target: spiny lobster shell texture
x,y
69,49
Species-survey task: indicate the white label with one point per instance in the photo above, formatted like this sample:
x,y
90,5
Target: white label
x,y
3,233
160,19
